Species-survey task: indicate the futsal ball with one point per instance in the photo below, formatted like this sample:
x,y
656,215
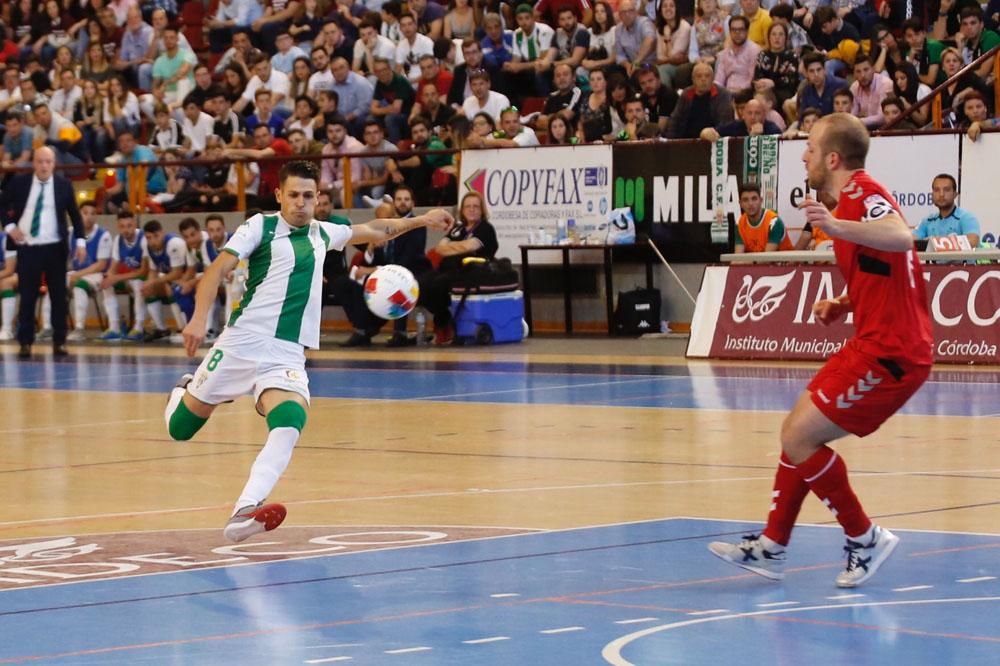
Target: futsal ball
x,y
391,292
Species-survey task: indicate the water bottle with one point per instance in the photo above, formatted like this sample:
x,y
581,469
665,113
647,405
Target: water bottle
x,y
560,230
421,328
571,233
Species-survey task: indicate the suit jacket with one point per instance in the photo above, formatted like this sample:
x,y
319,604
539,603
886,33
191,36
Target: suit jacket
x,y
14,200
408,251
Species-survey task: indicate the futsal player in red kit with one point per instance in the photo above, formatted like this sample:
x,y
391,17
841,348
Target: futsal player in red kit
x,y
866,382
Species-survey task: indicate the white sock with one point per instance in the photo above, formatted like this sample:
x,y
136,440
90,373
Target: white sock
x,y
140,304
80,302
46,312
8,309
156,314
270,464
180,319
111,308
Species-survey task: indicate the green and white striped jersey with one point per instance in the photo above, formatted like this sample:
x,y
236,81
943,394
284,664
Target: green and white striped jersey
x,y
284,288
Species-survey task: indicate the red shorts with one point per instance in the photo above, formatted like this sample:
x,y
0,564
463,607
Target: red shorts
x,y
859,392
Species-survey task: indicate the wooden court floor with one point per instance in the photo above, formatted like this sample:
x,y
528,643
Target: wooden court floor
x,y
99,460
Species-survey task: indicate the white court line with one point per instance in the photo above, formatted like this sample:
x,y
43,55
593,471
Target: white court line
x,y
912,588
979,579
491,639
776,604
558,387
714,611
327,660
836,597
561,630
637,620
504,595
419,648
612,652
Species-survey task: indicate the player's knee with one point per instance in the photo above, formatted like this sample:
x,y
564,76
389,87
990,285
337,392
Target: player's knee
x,y
183,423
288,414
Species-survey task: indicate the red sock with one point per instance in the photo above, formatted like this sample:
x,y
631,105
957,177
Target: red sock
x,y
826,474
786,500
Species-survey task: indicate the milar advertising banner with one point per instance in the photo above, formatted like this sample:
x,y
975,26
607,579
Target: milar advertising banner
x,y
765,312
980,185
528,190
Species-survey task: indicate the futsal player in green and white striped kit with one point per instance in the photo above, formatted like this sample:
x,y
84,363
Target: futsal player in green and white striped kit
x,y
262,348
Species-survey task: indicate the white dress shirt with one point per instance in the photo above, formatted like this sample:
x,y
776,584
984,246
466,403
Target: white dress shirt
x,y
48,232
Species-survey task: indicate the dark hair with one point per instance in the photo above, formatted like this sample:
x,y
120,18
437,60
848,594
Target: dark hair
x,y
914,24
891,100
811,111
488,118
475,74
947,176
152,227
189,223
88,202
336,119
782,26
824,15
861,59
742,19
260,92
214,216
370,20
971,10
750,187
782,11
250,212
844,92
743,96
126,214
442,45
420,120
597,28
812,57
299,169
190,99
401,187
393,8
372,120
313,106
912,82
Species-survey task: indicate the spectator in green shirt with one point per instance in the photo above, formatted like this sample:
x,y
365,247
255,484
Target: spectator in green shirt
x,y
392,100
416,170
924,53
973,40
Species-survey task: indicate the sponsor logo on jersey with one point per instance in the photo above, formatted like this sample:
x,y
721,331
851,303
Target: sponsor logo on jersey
x,y
876,207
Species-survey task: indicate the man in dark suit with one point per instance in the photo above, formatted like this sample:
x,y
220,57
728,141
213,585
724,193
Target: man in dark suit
x,y
407,250
34,208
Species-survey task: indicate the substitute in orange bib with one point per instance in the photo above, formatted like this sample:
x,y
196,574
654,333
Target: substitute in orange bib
x,y
759,229
883,364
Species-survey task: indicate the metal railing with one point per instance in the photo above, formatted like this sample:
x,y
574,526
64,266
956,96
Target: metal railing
x,y
934,99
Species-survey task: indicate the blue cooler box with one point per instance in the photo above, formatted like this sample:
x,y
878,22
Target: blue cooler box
x,y
489,318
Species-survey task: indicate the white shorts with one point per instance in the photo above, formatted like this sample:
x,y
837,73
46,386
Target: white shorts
x,y
241,363
93,279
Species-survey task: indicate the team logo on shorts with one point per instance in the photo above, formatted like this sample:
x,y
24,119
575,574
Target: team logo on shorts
x,y
200,379
293,375
857,391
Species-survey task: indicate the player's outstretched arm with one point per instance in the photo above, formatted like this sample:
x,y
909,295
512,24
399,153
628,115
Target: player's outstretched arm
x,y
208,290
888,233
379,231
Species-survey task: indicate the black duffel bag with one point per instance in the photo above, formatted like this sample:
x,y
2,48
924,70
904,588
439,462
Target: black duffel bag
x,y
482,276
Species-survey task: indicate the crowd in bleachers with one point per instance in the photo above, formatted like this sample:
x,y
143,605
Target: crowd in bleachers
x,y
140,80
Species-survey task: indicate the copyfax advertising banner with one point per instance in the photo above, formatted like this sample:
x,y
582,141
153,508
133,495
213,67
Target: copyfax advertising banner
x,y
528,189
980,183
906,165
765,312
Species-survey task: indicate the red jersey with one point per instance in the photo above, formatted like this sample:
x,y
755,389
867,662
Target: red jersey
x,y
887,289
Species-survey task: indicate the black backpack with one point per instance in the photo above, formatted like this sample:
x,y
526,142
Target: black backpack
x,y
637,312
482,276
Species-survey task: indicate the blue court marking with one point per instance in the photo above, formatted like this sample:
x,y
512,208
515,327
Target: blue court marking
x,y
949,393
564,598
